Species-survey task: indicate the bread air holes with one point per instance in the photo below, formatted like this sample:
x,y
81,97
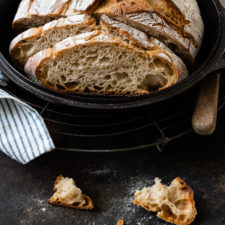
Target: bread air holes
x,y
167,211
54,64
60,87
97,88
158,63
71,85
183,204
115,82
121,76
168,70
63,78
50,84
43,73
109,87
120,57
75,65
91,59
104,60
107,77
153,82
151,66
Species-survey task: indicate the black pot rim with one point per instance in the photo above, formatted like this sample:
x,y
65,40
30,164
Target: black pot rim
x,y
214,63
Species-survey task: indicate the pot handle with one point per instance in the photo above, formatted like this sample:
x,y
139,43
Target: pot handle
x,y
205,114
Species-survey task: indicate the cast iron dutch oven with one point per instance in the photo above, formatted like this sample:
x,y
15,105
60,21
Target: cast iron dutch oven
x,y
210,59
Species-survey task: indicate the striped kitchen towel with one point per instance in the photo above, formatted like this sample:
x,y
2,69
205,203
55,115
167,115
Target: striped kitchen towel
x,y
23,134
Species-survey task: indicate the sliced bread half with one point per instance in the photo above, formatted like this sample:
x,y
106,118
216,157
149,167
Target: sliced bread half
x,y
141,39
174,203
69,195
34,40
103,64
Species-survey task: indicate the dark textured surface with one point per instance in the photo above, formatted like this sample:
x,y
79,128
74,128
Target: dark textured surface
x,y
111,179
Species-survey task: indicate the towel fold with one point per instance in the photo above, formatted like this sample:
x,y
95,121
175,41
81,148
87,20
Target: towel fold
x,y
23,133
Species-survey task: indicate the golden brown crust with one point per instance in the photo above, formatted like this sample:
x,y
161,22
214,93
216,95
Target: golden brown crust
x,y
87,206
33,13
88,202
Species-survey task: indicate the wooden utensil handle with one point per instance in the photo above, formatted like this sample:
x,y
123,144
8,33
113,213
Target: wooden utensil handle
x,y
205,114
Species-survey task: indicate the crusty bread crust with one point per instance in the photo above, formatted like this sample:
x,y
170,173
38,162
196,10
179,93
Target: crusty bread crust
x,y
35,13
87,206
161,19
97,38
31,41
175,204
88,202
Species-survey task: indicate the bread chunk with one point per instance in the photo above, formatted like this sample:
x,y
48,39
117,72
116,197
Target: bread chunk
x,y
103,64
174,203
34,40
177,23
69,195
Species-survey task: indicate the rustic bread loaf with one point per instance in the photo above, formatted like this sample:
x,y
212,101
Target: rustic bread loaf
x,y
103,64
173,203
69,195
35,13
150,30
176,23
34,40
141,39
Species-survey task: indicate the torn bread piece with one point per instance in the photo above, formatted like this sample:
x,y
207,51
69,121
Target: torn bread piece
x,y
174,203
67,194
34,40
103,64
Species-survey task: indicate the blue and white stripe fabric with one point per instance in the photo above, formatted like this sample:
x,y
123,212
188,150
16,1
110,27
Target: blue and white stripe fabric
x,y
23,134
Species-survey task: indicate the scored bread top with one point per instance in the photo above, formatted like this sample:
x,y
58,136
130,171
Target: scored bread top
x,y
162,19
173,203
34,40
33,13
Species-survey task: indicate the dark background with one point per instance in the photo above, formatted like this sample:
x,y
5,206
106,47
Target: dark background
x,y
111,180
